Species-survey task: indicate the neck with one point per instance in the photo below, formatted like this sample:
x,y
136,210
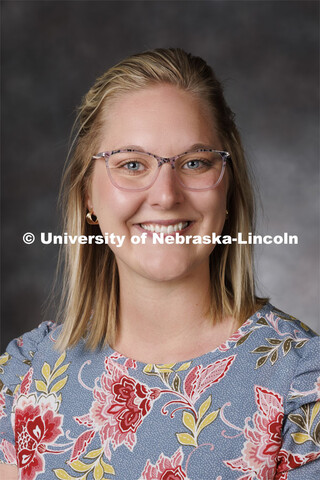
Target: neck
x,y
167,321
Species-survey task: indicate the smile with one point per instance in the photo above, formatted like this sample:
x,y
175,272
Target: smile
x,y
157,228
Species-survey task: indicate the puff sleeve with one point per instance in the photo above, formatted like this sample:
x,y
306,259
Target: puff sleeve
x,y
299,457
15,364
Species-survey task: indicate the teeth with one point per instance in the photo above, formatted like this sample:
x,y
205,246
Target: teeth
x,y
164,228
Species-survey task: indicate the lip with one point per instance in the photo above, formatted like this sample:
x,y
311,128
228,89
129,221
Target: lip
x,y
165,223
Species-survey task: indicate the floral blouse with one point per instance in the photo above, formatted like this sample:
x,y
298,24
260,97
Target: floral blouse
x,y
247,410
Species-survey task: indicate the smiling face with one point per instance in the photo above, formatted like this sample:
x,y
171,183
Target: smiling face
x,y
166,121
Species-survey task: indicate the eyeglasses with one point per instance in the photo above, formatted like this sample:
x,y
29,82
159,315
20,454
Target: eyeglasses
x,y
132,170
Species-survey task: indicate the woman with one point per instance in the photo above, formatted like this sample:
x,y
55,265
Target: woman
x,y
166,366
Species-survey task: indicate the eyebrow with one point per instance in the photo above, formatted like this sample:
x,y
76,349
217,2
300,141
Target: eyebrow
x,y
132,147
195,146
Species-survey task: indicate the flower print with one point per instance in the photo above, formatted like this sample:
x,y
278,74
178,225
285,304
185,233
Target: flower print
x,y
2,405
315,391
260,451
236,337
131,403
37,425
120,405
273,321
317,388
4,359
288,461
9,452
166,468
200,378
26,382
129,362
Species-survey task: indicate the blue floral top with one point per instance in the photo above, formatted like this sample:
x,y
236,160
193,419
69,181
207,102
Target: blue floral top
x,y
247,410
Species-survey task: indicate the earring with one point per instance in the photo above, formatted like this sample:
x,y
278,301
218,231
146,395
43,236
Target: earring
x,y
90,220
227,213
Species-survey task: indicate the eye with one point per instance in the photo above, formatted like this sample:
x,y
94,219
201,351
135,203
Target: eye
x,y
194,164
133,166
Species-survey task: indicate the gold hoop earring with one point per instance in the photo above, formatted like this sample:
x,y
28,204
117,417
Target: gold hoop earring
x,y
90,220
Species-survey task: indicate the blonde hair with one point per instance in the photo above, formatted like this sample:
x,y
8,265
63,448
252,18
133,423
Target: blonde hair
x,y
90,294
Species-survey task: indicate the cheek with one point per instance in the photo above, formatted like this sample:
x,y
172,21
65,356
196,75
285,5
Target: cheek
x,y
111,205
213,203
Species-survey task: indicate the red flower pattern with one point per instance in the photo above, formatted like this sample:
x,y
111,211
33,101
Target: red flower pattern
x,y
240,333
9,452
200,378
26,382
121,403
37,425
288,461
2,405
165,468
260,451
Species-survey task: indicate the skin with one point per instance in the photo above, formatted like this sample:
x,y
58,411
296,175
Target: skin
x,y
163,318
9,472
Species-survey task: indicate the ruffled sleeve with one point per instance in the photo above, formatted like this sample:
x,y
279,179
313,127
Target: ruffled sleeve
x,y
299,457
15,364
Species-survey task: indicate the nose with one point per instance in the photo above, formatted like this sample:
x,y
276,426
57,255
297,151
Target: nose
x,y
166,192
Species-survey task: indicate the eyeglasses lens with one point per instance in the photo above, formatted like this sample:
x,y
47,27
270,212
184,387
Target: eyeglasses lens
x,y
137,170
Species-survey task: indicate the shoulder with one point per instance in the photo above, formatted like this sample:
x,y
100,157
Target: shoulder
x,y
286,335
20,353
276,319
291,349
280,328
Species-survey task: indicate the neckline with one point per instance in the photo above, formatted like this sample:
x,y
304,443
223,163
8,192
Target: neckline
x,y
250,322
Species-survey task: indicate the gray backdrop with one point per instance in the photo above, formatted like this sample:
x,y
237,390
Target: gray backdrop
x,y
266,53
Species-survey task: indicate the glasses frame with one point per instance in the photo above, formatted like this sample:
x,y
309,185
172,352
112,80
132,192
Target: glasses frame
x,y
161,161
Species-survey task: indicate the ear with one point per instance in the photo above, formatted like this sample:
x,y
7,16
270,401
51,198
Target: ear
x,y
88,200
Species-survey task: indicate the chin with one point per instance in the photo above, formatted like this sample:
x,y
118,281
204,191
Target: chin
x,y
166,268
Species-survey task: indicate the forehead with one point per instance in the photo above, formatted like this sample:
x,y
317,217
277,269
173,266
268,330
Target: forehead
x,y
163,119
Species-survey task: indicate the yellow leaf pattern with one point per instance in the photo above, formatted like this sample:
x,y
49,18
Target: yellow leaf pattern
x,y
50,375
300,437
59,372
315,411
79,466
60,360
59,385
62,474
184,366
209,419
148,368
98,472
188,421
41,386
107,468
186,392
94,453
46,371
186,439
204,406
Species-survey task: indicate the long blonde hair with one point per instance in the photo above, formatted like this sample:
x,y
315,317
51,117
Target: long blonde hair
x,y
90,294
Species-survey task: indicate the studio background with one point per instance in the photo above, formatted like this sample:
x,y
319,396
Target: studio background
x,y
266,54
